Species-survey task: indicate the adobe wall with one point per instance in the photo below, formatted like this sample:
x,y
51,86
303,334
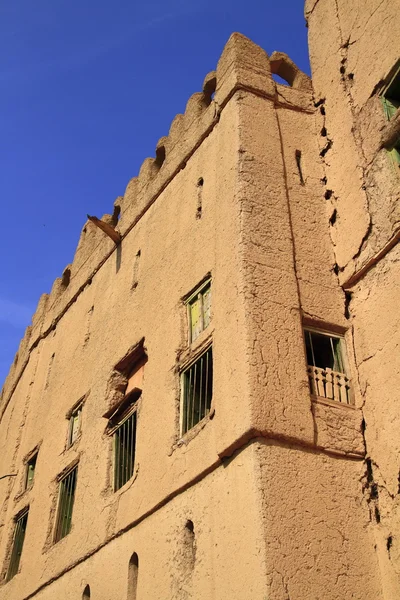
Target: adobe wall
x,y
263,236
226,559
288,277
109,316
318,541
353,47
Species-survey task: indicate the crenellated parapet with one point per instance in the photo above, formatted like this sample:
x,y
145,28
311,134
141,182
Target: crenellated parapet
x,y
242,65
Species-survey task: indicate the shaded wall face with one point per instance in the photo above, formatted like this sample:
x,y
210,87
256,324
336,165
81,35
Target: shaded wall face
x,y
353,48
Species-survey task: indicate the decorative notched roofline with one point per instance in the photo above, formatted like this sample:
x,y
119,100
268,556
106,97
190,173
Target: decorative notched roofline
x,y
242,65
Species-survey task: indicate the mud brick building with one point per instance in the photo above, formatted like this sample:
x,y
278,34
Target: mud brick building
x,y
206,405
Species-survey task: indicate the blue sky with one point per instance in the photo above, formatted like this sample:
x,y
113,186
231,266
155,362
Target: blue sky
x,y
88,88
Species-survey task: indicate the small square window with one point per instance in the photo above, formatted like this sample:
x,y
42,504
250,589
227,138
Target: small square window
x,y
326,360
66,500
391,102
75,420
18,543
30,471
197,390
199,310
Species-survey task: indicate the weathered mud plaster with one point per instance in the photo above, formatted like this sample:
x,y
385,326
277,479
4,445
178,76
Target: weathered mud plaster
x,y
272,472
348,73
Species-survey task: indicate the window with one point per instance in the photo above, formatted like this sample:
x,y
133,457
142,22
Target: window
x,y
18,542
123,414
124,448
199,310
65,504
391,102
74,424
326,366
197,388
30,471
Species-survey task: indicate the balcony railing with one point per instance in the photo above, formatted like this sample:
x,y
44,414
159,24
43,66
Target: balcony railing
x,y
329,384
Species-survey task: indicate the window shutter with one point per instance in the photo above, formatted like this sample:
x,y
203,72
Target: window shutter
x,y
196,318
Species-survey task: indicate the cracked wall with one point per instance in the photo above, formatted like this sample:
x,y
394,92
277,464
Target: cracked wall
x,y
353,48
319,544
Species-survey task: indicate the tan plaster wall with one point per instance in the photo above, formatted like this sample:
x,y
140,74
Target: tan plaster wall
x,y
177,251
353,47
228,556
377,344
287,260
316,529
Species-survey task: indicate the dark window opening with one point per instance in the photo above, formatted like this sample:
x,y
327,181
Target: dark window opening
x,y
18,543
124,449
65,505
197,382
324,351
30,471
326,366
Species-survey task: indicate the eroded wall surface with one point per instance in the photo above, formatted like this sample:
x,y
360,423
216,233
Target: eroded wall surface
x,y
315,529
354,47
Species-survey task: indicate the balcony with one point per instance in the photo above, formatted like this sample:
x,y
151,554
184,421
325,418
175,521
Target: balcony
x,y
329,384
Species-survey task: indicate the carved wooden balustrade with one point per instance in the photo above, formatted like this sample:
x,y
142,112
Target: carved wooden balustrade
x,y
330,384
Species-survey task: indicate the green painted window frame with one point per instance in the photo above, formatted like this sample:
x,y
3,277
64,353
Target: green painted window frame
x,y
18,544
199,310
124,442
30,471
75,424
196,390
66,500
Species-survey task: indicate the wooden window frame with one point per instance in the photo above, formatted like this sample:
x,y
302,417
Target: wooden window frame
x,y
17,544
198,294
332,335
65,505
121,420
29,481
326,382
75,410
187,422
